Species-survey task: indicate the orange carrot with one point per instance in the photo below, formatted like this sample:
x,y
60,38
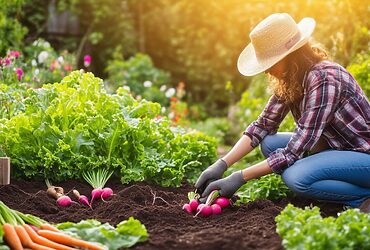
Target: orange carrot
x,y
11,237
43,241
49,227
68,240
26,240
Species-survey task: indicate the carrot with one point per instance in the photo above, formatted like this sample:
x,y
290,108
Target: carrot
x,y
49,227
43,241
11,237
26,240
68,240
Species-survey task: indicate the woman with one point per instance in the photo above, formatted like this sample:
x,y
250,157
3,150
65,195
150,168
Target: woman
x,y
327,157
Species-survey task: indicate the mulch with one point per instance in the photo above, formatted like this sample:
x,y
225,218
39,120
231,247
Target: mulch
x,y
250,226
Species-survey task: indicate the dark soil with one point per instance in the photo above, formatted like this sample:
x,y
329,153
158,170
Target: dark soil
x,y
250,226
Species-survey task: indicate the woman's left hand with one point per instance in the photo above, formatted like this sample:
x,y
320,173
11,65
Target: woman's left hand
x,y
226,186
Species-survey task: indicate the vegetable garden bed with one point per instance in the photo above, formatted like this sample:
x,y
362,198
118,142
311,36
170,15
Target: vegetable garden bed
x,y
249,226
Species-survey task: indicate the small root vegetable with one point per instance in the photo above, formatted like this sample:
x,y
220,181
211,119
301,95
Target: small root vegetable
x,y
26,239
11,237
222,201
107,192
216,209
200,207
81,198
43,241
187,208
206,211
68,240
64,201
49,227
194,204
96,193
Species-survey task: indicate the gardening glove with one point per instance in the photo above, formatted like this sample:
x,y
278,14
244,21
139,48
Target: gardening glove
x,y
213,172
226,186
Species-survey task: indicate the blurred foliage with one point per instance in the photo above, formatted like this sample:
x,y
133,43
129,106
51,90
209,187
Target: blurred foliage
x,y
360,69
199,41
140,75
11,30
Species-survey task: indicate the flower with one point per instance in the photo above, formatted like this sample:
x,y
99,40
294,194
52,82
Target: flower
x,y
68,67
36,72
33,63
60,59
87,60
14,53
42,56
7,61
163,88
163,110
19,72
148,84
170,92
126,88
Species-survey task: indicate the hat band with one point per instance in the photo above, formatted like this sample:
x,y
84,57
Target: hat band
x,y
265,54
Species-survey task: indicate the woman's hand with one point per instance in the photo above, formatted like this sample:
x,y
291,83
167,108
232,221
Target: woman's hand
x,y
213,172
226,186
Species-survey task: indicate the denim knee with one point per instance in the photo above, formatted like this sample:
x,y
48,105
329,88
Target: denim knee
x,y
265,146
295,181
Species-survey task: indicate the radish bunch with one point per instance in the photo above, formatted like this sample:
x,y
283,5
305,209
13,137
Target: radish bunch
x,y
98,179
213,205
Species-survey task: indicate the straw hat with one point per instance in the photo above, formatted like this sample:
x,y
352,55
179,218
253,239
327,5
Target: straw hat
x,y
273,39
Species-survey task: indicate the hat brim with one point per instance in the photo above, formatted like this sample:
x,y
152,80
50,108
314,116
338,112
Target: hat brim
x,y
248,64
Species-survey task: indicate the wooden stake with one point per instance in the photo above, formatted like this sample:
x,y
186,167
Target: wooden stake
x,y
4,170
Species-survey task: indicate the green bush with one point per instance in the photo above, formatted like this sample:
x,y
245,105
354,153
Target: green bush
x,y
306,229
140,75
72,126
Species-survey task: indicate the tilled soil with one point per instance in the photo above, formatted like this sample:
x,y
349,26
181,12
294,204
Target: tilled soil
x,y
250,226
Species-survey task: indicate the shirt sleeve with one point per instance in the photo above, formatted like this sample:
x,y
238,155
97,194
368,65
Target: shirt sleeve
x,y
320,102
268,121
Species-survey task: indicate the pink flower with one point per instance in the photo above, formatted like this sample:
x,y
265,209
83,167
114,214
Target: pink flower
x,y
87,60
19,72
7,60
68,67
14,53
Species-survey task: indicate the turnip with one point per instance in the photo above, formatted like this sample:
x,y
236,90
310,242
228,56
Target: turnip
x,y
97,180
187,208
53,191
216,209
222,201
81,198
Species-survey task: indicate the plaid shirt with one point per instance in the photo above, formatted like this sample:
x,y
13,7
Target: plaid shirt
x,y
333,107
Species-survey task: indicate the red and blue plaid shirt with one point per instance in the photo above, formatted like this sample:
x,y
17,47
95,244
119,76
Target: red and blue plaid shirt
x,y
333,107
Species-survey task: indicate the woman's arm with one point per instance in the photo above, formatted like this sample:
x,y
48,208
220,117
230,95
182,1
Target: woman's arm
x,y
240,149
260,169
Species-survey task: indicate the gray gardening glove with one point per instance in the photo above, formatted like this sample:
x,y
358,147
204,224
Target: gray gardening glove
x,y
213,172
226,186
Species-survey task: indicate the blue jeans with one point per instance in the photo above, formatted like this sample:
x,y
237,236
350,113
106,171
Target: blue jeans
x,y
330,175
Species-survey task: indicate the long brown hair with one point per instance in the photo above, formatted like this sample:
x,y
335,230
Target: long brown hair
x,y
290,87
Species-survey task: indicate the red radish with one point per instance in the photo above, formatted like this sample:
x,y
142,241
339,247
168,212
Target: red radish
x,y
81,198
194,204
222,201
200,207
187,208
34,228
64,201
107,192
206,210
97,180
216,209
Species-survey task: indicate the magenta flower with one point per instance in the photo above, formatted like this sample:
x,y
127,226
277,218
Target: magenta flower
x,y
87,60
14,53
19,72
7,60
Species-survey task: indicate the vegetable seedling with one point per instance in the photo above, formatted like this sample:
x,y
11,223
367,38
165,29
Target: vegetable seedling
x,y
97,179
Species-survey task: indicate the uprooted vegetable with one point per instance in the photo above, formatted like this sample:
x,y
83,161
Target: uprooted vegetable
x,y
81,198
19,235
98,179
213,204
58,194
